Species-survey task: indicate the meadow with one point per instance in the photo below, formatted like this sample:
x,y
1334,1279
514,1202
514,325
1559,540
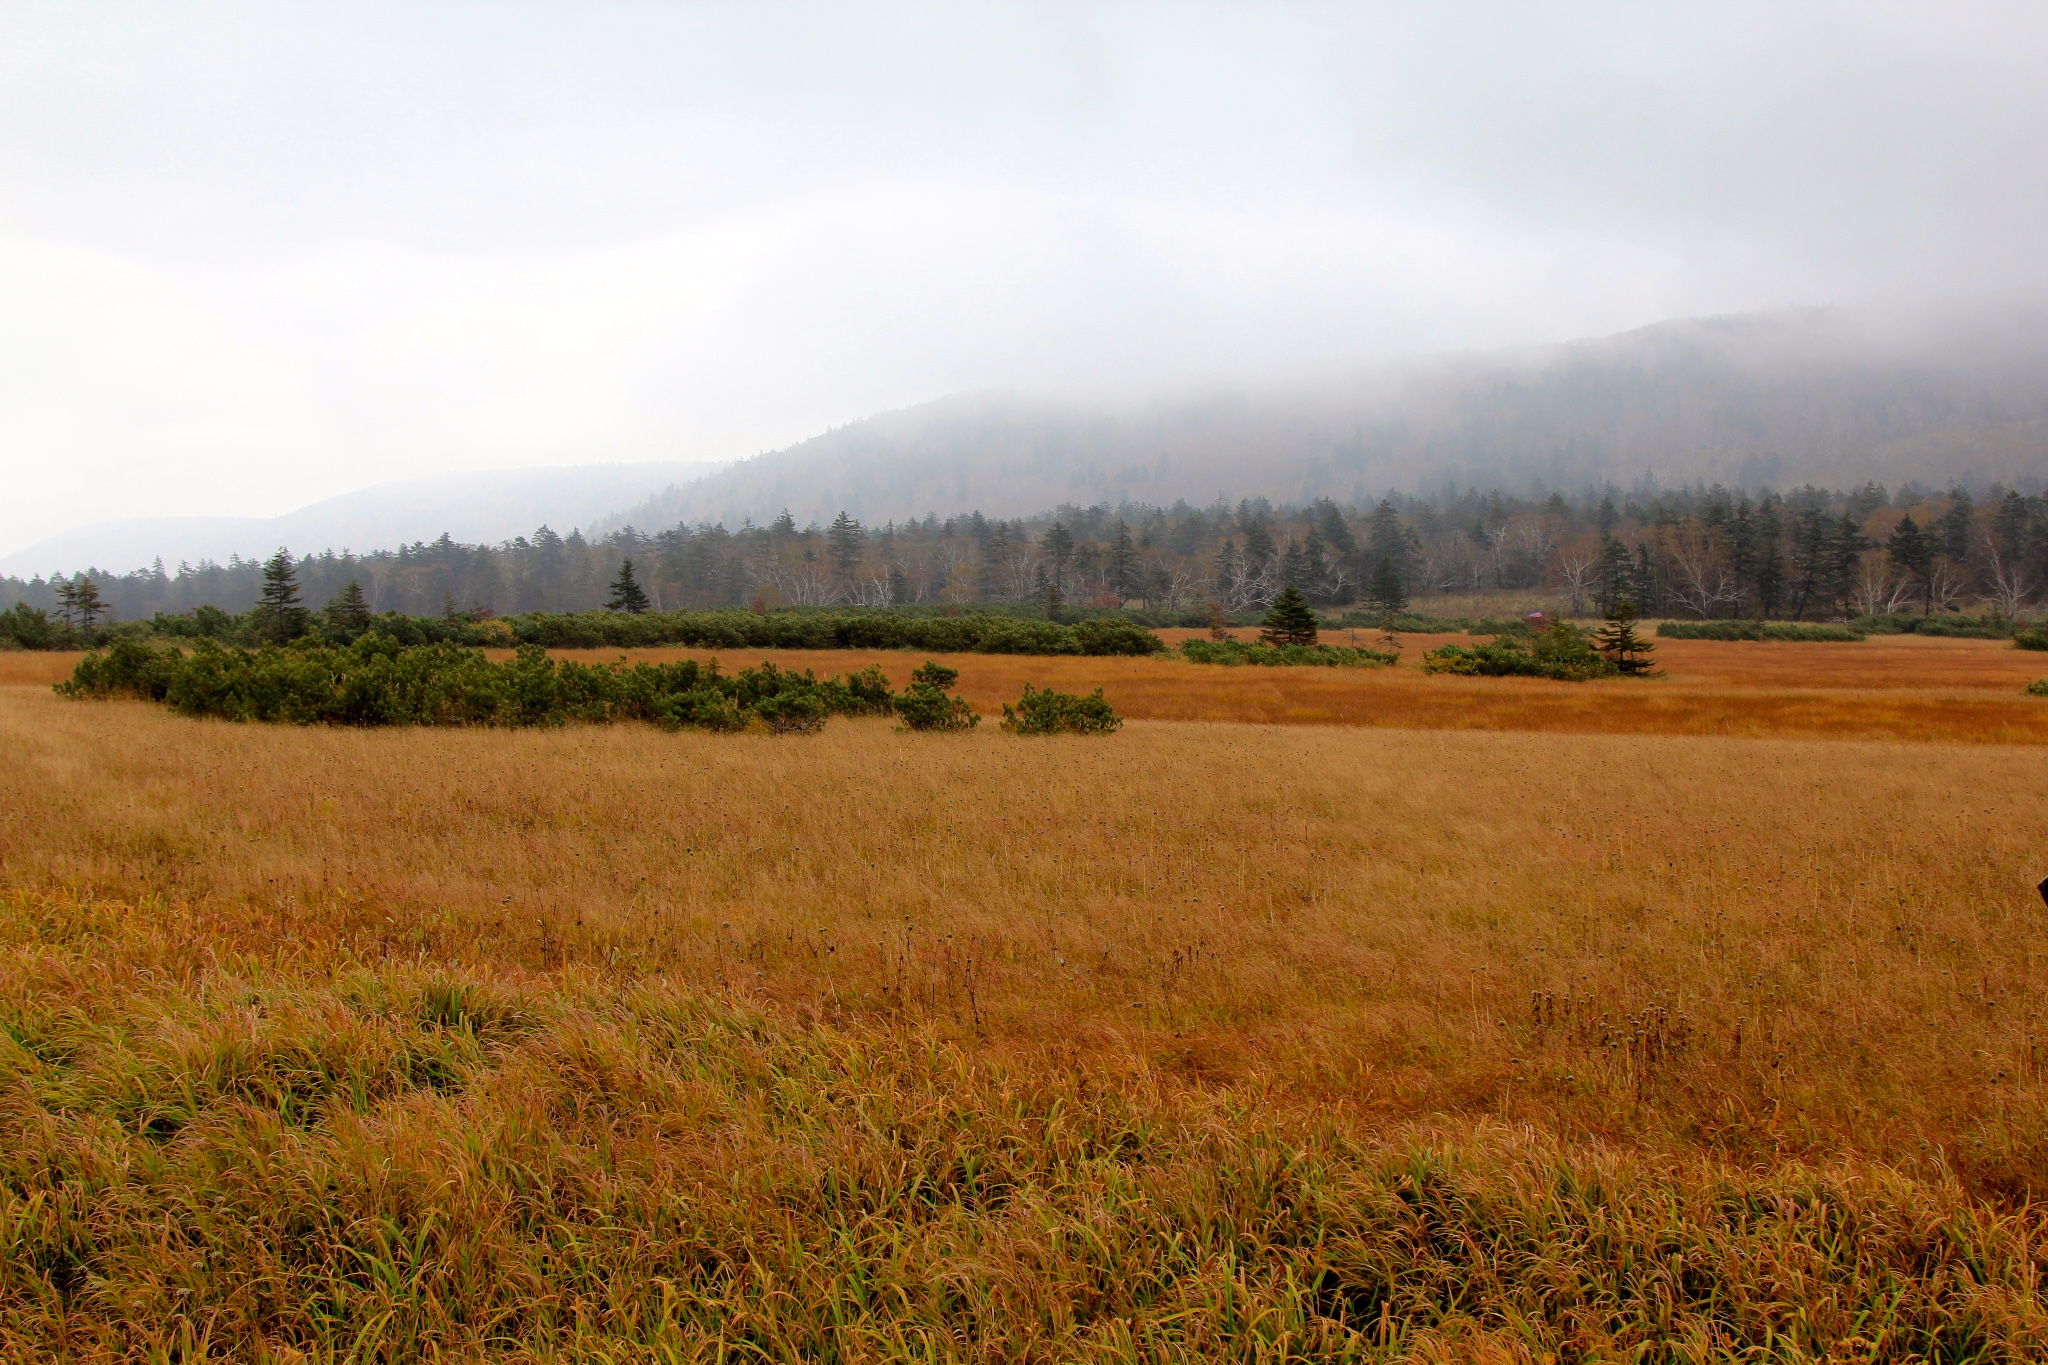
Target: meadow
x,y
1338,1014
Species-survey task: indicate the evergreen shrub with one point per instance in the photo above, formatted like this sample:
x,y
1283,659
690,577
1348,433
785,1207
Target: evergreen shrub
x,y
1236,653
377,681
925,705
1043,711
1560,653
1810,631
1992,627
2037,638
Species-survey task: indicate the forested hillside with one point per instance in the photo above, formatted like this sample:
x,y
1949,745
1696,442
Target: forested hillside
x,y
1779,398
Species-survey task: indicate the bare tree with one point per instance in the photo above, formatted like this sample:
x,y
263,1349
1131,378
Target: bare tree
x,y
1705,582
1875,592
1579,571
1246,584
2009,586
1944,586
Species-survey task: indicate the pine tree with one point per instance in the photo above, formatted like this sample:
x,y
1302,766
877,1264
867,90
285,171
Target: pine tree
x,y
1123,564
1955,525
279,616
79,602
1912,551
1619,643
899,586
627,594
1049,594
1058,545
1387,593
1616,571
348,613
1289,621
845,541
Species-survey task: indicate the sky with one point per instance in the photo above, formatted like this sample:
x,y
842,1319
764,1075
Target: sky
x,y
255,255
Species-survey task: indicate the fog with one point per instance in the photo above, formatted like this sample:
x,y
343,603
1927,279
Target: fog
x,y
253,256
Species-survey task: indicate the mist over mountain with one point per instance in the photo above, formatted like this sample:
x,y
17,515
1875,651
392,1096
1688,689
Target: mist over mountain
x,y
1777,398
476,506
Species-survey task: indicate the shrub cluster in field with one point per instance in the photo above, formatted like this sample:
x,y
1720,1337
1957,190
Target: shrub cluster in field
x,y
1237,653
1991,627
925,704
972,633
377,681
1043,711
2037,638
1760,630
1559,652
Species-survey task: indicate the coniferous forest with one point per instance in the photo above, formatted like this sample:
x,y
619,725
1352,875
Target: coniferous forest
x,y
1705,553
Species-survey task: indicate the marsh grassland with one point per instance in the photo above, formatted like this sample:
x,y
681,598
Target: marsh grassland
x,y
1447,1020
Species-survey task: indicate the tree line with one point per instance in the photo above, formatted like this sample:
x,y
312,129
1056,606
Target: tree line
x,y
1704,552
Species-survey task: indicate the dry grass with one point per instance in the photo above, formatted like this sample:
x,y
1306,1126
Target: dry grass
x,y
1849,930
1888,688
1201,1041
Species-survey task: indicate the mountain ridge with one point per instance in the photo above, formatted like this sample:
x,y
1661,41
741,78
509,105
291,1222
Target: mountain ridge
x,y
473,505
1781,397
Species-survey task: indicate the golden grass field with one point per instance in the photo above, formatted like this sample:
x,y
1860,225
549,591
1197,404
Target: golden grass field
x,y
1450,1019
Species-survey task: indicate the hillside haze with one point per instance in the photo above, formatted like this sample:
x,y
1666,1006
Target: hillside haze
x,y
1779,398
476,506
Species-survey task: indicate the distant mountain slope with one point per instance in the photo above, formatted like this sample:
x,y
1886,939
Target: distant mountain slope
x,y
486,506
1778,397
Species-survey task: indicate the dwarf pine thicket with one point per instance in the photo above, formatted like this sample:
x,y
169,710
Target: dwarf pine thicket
x,y
1043,711
1237,653
377,681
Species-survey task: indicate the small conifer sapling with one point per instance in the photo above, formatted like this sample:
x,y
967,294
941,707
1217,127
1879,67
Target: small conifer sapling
x,y
1289,621
1620,644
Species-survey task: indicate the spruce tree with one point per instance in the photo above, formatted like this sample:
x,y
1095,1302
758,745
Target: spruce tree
x,y
1912,550
1618,642
1124,565
1289,621
348,613
845,540
79,602
279,616
627,594
1049,594
1387,593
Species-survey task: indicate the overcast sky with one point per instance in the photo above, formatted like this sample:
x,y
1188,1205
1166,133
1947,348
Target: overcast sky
x,y
253,255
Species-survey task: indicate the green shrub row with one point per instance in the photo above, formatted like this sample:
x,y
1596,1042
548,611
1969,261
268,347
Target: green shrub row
x,y
1958,627
965,634
1559,652
2037,638
377,681
1237,653
1758,630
